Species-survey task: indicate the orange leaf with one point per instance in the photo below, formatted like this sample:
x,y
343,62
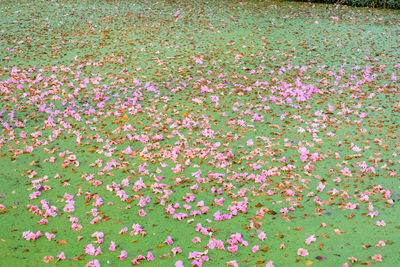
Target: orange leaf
x,y
265,249
62,242
79,258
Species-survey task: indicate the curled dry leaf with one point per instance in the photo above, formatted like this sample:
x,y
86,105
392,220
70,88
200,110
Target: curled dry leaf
x,y
47,259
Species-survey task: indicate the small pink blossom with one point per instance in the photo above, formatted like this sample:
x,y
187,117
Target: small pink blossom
x,y
176,250
232,263
73,220
196,240
220,245
28,235
169,241
98,251
211,244
352,259
310,239
43,221
150,256
381,223
112,246
302,252
98,235
142,213
94,263
123,230
49,236
262,235
76,227
123,255
61,256
381,243
90,249
377,257
233,249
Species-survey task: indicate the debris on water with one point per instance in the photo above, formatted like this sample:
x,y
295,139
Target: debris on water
x,y
321,258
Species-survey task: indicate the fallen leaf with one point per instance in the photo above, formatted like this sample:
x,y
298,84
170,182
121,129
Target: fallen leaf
x,y
47,259
62,242
321,258
265,249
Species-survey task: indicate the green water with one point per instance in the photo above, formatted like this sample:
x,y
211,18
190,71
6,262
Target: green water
x,y
102,46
